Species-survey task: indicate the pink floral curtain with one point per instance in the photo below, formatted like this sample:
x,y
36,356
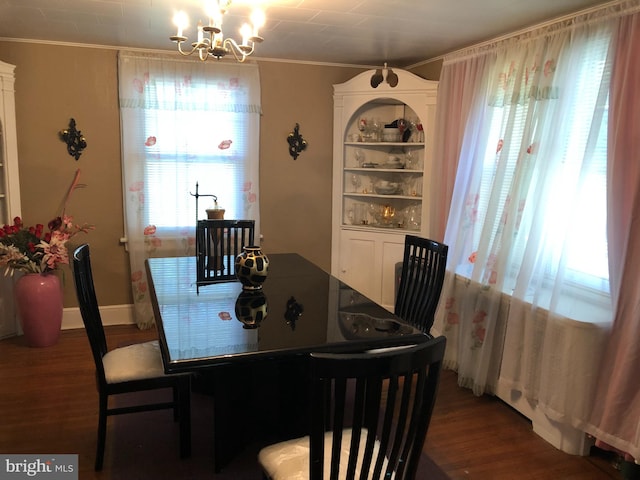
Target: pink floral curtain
x,y
505,323
184,122
528,155
615,418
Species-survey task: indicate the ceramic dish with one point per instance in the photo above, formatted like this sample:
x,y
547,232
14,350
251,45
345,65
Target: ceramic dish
x,y
386,190
393,165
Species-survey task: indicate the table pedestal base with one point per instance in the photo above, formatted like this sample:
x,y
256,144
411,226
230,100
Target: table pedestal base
x,y
255,401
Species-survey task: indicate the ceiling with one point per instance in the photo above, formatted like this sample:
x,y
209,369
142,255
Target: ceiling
x,y
354,32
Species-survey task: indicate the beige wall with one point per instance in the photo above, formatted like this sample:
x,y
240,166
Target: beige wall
x,y
55,83
429,70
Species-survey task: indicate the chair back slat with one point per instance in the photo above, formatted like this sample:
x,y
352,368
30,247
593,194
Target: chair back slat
x,y
421,280
218,243
384,399
89,309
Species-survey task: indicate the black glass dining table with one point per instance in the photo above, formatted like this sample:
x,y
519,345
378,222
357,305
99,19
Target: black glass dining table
x,y
241,343
307,310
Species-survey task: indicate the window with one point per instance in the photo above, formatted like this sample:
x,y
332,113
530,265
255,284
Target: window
x,y
183,122
557,179
193,142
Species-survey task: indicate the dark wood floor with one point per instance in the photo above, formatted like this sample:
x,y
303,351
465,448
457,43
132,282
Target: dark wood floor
x,y
48,402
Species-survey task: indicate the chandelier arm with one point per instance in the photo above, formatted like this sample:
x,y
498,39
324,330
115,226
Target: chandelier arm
x,y
196,46
238,51
203,54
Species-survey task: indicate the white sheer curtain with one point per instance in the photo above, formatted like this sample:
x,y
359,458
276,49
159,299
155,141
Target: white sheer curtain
x,y
184,122
458,94
526,227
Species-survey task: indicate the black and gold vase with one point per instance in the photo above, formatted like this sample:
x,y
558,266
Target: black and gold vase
x,y
252,267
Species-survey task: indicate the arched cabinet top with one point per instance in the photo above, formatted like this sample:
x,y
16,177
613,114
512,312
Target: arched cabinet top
x,y
407,82
410,90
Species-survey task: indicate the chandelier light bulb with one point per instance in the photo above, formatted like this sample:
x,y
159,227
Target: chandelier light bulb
x,y
181,21
257,19
246,32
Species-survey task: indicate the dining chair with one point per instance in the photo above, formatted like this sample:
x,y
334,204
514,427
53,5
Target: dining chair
x,y
132,368
369,417
218,243
423,268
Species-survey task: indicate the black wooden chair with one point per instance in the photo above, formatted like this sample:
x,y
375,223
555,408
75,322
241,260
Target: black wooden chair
x,y
370,413
218,243
133,368
423,269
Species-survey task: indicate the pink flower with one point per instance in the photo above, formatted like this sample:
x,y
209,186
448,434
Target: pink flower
x,y
479,317
472,258
246,186
223,145
453,319
30,249
451,301
150,230
252,197
480,333
136,276
138,86
151,141
224,316
136,187
549,67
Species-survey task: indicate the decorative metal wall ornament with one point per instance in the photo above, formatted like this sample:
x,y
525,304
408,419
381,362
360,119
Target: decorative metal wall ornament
x,y
297,144
74,140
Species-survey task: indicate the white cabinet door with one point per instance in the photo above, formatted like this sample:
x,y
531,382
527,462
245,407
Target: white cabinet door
x,y
359,265
367,263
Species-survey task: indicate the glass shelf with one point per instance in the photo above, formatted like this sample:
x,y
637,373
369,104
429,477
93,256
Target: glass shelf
x,y
381,196
382,181
385,144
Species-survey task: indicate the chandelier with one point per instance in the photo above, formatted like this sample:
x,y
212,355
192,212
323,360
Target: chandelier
x,y
211,41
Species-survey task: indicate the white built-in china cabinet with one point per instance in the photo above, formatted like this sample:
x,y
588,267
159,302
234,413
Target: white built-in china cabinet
x,y
382,156
9,187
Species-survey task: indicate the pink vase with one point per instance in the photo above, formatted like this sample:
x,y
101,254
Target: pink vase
x,y
39,303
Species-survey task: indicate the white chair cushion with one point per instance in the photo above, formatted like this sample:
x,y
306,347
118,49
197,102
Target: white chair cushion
x,y
289,460
133,362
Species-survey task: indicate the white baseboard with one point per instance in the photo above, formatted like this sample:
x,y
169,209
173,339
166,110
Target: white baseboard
x,y
111,315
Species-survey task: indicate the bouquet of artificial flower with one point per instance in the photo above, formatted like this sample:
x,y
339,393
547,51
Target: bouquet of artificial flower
x,y
31,249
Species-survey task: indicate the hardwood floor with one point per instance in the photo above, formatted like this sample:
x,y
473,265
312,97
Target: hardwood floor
x,y
48,403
